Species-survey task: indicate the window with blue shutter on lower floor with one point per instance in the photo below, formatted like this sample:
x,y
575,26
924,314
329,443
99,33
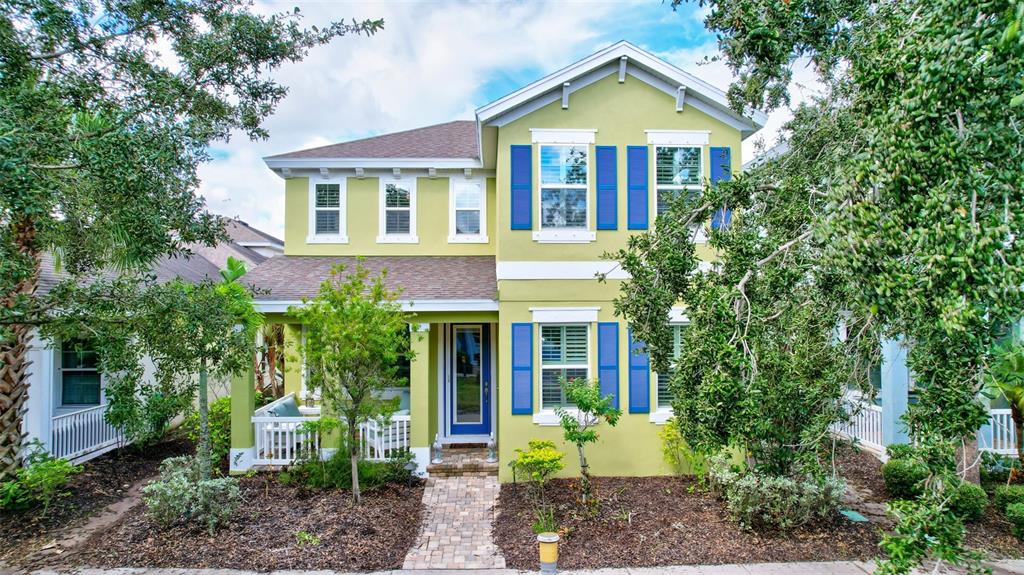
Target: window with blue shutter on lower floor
x,y
563,356
563,186
80,379
665,395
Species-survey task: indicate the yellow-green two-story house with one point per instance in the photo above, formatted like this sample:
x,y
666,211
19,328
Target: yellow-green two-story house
x,y
494,228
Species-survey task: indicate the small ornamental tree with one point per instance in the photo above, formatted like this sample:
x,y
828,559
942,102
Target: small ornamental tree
x,y
356,333
537,465
578,425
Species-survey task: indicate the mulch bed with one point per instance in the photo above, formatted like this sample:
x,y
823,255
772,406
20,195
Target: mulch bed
x,y
261,535
102,481
651,521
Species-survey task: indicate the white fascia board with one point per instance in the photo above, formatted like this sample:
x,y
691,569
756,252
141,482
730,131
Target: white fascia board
x,y
564,314
634,56
260,244
678,137
425,305
563,136
371,163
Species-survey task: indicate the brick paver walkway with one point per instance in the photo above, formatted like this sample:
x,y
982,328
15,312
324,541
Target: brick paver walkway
x,y
456,532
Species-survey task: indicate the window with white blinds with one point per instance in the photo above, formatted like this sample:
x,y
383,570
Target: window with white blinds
x,y
563,355
327,206
677,171
398,211
563,186
665,395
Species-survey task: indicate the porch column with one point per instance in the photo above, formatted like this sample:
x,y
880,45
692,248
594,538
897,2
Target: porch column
x,y
293,361
894,393
243,405
419,396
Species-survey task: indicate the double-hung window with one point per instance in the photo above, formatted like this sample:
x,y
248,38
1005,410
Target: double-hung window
x,y
665,395
80,379
563,186
467,213
327,211
677,171
398,211
563,357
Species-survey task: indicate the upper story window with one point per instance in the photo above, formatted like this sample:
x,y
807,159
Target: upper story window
x,y
563,355
563,186
327,200
398,211
468,212
79,374
677,171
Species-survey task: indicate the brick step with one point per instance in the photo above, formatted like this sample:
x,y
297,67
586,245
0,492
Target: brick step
x,y
459,460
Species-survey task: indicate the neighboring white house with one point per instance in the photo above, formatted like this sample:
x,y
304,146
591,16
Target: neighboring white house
x,y
66,394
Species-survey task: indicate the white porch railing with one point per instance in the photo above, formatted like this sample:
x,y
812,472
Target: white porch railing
x,y
865,423
82,435
381,441
1000,435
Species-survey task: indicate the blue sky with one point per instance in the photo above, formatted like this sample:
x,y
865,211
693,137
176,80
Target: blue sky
x,y
434,62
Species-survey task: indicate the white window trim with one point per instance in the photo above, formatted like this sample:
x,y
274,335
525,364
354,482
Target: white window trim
x,y
661,415
701,236
60,383
678,138
564,315
342,236
563,235
548,415
563,136
386,238
455,238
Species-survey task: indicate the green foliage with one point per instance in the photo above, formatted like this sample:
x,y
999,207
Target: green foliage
x,y
1007,378
968,501
181,495
1015,515
904,478
901,451
996,468
356,333
537,465
1007,495
101,137
335,472
305,538
677,453
923,529
759,501
578,425
220,425
39,483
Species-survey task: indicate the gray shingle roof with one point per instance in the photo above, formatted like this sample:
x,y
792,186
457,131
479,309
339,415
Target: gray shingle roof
x,y
419,277
242,233
456,139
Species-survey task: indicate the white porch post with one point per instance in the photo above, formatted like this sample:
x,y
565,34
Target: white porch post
x,y
895,390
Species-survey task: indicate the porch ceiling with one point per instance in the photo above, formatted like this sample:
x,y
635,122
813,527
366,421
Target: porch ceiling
x,y
418,277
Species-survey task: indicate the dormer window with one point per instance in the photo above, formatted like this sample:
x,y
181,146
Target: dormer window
x,y
398,211
327,200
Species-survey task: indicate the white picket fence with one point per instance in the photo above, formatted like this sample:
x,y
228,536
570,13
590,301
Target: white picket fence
x,y
865,423
381,441
1000,435
81,435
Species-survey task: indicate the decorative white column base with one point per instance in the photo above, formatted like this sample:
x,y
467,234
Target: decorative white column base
x,y
241,460
422,457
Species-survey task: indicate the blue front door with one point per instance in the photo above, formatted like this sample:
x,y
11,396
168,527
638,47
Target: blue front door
x,y
469,380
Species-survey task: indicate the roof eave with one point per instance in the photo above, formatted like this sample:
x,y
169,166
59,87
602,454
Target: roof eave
x,y
277,163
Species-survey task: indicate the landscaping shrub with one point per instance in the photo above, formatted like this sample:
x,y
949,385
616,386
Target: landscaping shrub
x,y
1007,495
336,472
996,467
904,477
537,465
757,501
901,451
220,425
678,454
39,483
1015,514
179,495
968,501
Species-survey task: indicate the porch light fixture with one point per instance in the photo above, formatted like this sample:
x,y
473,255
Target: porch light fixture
x,y
547,544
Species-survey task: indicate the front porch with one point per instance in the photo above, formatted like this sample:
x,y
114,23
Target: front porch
x,y
450,400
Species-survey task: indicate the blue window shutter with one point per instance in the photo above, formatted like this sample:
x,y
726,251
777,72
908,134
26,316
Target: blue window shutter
x,y
607,188
636,187
522,368
608,360
721,170
639,377
522,187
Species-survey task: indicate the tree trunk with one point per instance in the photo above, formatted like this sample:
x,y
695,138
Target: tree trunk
x,y
14,357
204,426
584,474
353,453
1018,425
